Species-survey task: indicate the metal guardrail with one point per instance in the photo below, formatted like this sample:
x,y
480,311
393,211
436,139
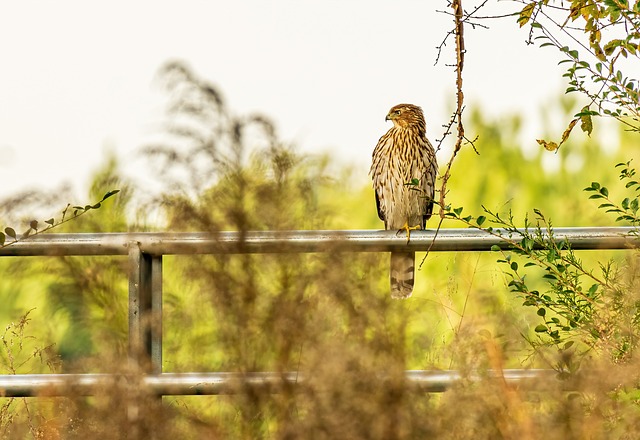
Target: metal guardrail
x,y
145,252
180,384
180,243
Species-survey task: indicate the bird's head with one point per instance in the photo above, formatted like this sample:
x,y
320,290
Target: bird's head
x,y
405,115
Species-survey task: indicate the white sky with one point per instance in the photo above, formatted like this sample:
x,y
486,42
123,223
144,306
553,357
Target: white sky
x,y
76,78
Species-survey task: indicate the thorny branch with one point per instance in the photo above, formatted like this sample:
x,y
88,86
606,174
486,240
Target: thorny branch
x,y
466,18
459,19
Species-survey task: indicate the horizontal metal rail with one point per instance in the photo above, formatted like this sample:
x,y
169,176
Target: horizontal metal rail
x,y
29,385
180,243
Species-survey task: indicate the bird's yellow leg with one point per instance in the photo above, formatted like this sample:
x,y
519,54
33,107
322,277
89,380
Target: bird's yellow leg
x,y
408,228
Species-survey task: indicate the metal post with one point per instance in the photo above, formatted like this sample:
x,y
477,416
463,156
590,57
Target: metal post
x,y
156,314
145,328
139,303
145,309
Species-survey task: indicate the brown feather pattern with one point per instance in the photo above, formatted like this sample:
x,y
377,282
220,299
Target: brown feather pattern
x,y
402,156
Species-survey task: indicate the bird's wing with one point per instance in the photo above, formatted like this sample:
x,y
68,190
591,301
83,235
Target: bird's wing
x,y
380,213
377,171
429,183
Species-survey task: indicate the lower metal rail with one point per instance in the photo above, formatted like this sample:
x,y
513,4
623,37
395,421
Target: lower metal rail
x,y
187,384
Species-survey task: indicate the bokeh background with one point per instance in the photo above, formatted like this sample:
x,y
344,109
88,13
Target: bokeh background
x,y
262,115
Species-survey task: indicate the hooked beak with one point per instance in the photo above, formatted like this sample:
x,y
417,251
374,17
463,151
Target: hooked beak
x,y
387,118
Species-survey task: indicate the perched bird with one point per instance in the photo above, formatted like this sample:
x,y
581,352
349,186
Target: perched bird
x,y
404,171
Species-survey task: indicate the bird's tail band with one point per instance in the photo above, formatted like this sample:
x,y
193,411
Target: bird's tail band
x,y
402,274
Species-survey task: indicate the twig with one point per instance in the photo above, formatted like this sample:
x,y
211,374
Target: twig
x,y
456,5
464,19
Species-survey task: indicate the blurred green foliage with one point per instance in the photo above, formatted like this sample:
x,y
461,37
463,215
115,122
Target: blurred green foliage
x,y
327,315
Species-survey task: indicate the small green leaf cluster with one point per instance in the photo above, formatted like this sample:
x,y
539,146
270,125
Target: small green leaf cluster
x,y
414,185
471,221
68,213
568,306
627,209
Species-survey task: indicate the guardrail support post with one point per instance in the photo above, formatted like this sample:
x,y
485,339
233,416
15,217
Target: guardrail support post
x,y
156,314
145,309
145,328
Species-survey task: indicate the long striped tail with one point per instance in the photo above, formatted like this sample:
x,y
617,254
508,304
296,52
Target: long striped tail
x,y
402,274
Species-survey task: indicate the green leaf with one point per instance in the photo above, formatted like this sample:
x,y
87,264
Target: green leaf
x,y
541,328
495,248
116,191
33,224
625,203
525,14
586,124
480,220
50,221
10,232
514,266
611,46
541,311
527,244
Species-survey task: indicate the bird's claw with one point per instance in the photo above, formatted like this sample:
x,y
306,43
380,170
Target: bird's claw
x,y
408,229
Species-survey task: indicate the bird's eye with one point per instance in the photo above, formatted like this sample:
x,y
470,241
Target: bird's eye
x,y
397,112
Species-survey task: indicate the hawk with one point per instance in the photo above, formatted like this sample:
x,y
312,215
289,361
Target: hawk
x,y
404,171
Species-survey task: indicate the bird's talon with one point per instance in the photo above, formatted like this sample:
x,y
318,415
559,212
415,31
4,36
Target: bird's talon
x,y
408,228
